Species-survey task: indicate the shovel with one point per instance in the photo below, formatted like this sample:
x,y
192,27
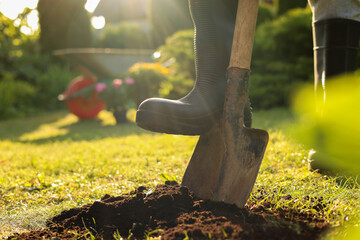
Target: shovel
x,y
226,160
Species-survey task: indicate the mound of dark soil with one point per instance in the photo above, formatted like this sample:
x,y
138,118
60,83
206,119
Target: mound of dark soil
x,y
171,211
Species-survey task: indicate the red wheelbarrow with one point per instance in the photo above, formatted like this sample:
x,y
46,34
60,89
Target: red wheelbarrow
x,y
96,64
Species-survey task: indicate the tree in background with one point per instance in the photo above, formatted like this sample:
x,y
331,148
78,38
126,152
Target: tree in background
x,y
283,6
168,16
63,24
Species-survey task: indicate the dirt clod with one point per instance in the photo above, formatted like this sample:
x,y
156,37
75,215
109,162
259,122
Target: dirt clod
x,y
172,212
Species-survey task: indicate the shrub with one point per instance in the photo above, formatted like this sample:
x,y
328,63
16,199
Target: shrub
x,y
29,80
282,6
265,14
14,96
176,87
148,79
11,43
14,93
282,58
28,88
178,53
115,93
286,37
48,77
51,83
124,35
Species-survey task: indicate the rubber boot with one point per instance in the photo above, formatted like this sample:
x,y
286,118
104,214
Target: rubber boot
x,y
194,114
336,45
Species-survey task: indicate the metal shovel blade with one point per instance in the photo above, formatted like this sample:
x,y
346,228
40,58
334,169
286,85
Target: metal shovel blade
x,y
202,172
244,147
226,160
240,166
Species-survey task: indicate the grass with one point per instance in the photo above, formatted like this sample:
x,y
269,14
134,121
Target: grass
x,y
54,162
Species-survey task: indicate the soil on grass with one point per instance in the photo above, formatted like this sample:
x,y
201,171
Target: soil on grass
x,y
171,211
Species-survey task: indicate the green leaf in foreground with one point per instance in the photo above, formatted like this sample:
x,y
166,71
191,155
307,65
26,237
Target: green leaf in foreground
x,y
332,128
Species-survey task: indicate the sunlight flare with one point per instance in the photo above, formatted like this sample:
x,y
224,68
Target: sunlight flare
x,y
11,9
98,22
91,5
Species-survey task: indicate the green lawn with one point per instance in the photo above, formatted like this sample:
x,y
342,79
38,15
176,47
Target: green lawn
x,y
54,162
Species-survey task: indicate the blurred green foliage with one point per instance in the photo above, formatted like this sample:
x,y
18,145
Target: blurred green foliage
x,y
123,35
176,87
115,93
155,80
28,80
332,127
167,17
282,6
63,24
148,79
178,53
282,58
265,13
14,95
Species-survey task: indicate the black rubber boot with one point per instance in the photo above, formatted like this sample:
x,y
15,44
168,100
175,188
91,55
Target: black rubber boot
x,y
194,114
336,46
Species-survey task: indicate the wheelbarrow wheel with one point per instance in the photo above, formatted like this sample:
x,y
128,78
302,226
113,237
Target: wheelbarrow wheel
x,y
84,107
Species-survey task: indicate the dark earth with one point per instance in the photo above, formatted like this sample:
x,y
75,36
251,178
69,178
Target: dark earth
x,y
171,211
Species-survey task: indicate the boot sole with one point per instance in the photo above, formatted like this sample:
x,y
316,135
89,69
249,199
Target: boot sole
x,y
161,123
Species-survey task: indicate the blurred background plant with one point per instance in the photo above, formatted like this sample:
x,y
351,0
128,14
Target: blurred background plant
x,y
115,93
148,80
178,53
282,6
332,129
29,80
282,56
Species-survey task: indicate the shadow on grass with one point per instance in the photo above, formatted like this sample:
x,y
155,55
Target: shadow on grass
x,y
13,129
62,126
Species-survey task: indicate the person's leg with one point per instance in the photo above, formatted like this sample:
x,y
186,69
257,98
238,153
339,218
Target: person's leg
x,y
336,44
214,22
336,30
327,9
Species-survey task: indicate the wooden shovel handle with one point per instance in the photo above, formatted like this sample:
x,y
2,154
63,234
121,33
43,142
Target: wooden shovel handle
x,y
244,34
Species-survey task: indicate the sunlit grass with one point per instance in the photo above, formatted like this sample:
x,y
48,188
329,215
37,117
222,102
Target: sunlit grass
x,y
43,173
54,162
284,173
